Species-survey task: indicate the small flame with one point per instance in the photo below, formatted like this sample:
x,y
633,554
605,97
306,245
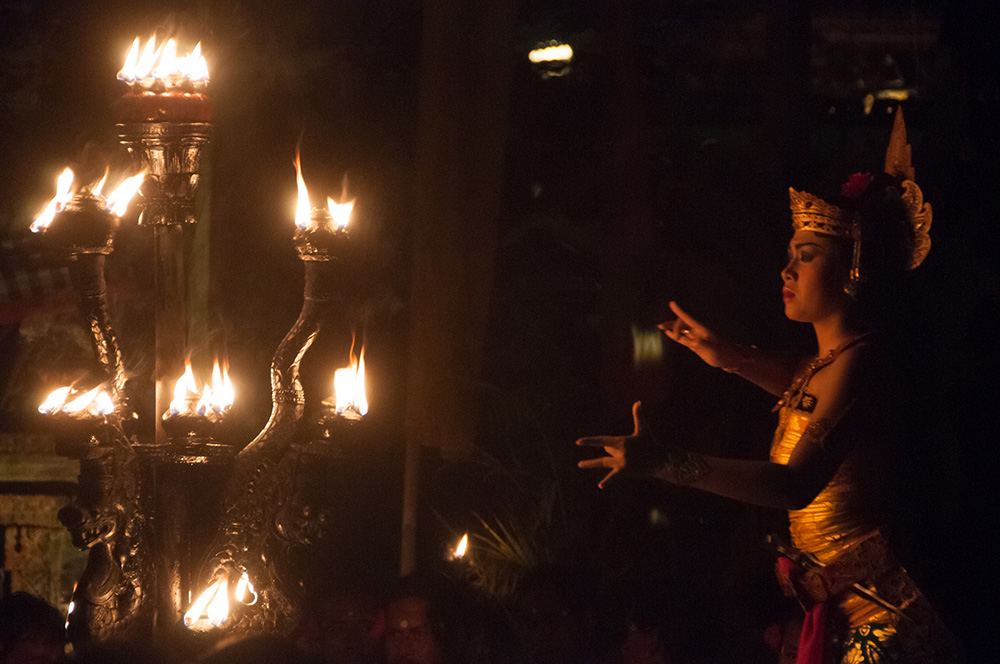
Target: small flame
x,y
99,187
95,402
54,401
219,396
151,63
81,402
167,63
212,605
72,606
118,200
349,386
218,608
463,546
302,207
341,212
244,588
64,191
184,388
104,403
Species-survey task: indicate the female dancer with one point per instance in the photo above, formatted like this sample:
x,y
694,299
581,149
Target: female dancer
x,y
844,263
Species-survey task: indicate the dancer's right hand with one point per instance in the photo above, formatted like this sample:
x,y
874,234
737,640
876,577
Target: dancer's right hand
x,y
707,345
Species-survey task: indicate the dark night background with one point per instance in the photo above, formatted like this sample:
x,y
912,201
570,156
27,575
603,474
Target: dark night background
x,y
519,231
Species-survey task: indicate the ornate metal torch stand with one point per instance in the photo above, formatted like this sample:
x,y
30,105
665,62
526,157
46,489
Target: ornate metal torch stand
x,y
167,510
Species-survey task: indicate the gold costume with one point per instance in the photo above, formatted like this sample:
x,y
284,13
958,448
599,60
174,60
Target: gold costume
x,y
841,529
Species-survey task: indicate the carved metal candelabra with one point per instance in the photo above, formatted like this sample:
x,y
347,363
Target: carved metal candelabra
x,y
167,510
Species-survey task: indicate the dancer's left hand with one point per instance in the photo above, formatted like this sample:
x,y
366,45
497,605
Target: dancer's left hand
x,y
624,453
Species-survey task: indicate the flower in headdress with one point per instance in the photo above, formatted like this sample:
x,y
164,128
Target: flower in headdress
x,y
857,184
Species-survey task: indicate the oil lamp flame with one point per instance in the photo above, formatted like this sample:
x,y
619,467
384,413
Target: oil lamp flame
x,y
92,403
349,386
99,187
341,213
71,608
152,63
64,192
245,594
462,547
85,400
118,200
302,207
211,607
219,396
184,389
54,401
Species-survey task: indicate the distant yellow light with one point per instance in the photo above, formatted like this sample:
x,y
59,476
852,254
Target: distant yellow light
x,y
553,52
898,94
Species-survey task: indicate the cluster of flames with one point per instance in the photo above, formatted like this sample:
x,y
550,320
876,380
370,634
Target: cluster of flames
x,y
154,63
340,212
66,400
116,202
216,397
211,609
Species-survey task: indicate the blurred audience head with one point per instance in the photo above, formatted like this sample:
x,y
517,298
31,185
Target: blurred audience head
x,y
32,631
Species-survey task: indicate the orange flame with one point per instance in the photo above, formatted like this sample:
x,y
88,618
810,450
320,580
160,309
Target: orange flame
x,y
462,547
349,386
118,200
245,593
211,607
302,207
99,187
64,192
54,401
152,63
341,212
184,389
217,396
94,402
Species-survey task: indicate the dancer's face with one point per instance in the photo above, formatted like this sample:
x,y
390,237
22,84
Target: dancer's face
x,y
813,280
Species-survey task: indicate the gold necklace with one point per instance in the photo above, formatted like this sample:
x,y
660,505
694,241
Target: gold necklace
x,y
793,395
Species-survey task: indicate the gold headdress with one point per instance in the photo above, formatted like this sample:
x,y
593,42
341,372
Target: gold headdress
x,y
812,213
897,162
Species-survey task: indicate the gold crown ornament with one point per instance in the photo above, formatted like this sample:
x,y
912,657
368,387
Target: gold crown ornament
x,y
897,162
812,213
